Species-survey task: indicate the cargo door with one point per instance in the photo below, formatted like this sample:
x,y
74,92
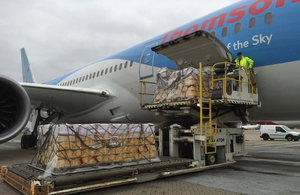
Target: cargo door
x,y
189,50
146,61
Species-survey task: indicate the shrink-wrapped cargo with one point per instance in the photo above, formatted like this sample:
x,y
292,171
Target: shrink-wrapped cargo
x,y
64,147
177,85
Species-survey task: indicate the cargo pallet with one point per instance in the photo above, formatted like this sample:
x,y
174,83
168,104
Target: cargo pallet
x,y
24,177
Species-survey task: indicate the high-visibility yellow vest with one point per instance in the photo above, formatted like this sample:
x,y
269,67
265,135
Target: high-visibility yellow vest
x,y
245,61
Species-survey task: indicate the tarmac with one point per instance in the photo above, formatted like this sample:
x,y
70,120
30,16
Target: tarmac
x,y
11,153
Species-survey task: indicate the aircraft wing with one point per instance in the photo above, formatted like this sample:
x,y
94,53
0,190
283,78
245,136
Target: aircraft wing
x,y
62,99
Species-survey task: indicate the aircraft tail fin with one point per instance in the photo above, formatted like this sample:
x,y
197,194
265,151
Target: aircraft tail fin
x,y
26,69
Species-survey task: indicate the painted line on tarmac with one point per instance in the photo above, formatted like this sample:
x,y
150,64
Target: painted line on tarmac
x,y
269,160
274,144
15,141
292,145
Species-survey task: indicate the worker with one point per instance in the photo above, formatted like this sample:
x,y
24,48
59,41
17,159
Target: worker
x,y
244,61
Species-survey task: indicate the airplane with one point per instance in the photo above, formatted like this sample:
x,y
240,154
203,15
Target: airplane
x,y
290,124
250,126
107,90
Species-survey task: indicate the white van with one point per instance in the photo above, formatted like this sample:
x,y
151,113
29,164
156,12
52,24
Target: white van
x,y
278,132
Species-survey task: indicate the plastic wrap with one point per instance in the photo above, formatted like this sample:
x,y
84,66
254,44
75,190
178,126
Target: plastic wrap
x,y
67,147
177,85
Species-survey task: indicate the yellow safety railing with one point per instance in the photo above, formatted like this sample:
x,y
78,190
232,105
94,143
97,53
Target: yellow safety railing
x,y
143,91
208,126
249,74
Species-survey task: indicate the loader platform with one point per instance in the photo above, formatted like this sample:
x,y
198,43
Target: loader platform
x,y
25,177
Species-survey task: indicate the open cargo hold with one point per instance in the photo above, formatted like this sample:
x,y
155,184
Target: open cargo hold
x,y
180,85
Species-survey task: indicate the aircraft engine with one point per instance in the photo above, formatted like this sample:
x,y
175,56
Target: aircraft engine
x,y
15,108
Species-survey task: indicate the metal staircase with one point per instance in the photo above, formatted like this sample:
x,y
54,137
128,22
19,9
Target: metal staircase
x,y
210,136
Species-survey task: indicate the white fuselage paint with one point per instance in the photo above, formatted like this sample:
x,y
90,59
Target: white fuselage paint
x,y
124,85
279,92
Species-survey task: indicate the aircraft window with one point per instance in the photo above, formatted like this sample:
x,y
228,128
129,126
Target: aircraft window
x,y
94,74
213,33
98,73
110,69
91,75
102,72
65,83
237,27
87,76
106,70
224,32
268,18
116,67
77,80
125,66
69,83
120,67
73,81
252,22
131,62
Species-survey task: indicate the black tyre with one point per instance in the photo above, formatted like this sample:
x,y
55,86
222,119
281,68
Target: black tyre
x,y
27,141
24,141
211,159
272,139
265,137
32,141
295,139
289,138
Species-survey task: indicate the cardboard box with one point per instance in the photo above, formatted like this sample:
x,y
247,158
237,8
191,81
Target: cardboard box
x,y
78,146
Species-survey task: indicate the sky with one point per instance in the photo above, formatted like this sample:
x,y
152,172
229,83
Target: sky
x,y
62,35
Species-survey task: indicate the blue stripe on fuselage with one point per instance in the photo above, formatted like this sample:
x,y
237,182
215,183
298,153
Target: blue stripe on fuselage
x,y
282,33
